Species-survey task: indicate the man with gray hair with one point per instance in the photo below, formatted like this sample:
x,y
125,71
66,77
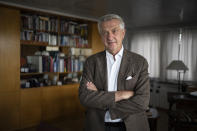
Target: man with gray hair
x,y
115,83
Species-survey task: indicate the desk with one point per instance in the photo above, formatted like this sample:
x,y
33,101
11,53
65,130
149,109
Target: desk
x,y
184,116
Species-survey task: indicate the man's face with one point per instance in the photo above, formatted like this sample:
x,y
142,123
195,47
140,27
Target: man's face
x,y
112,35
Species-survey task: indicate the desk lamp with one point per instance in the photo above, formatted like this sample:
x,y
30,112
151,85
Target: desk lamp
x,y
179,66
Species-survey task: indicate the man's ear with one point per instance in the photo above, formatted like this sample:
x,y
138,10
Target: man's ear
x,y
124,32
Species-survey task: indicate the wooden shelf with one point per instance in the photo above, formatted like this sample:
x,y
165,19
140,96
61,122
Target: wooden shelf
x,y
30,74
50,32
27,29
40,31
46,31
65,33
36,73
70,84
61,46
69,34
61,73
34,43
27,107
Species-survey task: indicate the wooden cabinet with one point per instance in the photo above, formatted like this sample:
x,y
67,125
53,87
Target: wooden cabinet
x,y
53,49
9,68
31,107
158,96
53,102
22,108
9,49
9,110
95,39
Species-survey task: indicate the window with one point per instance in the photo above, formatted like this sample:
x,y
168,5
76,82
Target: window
x,y
148,45
160,48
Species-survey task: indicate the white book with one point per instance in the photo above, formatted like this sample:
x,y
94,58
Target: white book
x,y
40,70
36,62
54,40
61,65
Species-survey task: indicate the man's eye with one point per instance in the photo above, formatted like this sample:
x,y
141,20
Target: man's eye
x,y
114,31
104,33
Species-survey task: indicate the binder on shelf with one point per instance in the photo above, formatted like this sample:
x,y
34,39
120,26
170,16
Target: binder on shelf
x,y
36,63
52,40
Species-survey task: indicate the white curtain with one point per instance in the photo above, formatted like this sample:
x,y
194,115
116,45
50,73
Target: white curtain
x,y
189,53
161,48
169,52
148,45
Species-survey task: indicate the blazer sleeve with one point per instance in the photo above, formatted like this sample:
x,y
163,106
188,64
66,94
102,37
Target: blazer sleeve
x,y
94,99
139,102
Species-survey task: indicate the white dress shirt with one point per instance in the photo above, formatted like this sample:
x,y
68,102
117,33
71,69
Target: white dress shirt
x,y
113,66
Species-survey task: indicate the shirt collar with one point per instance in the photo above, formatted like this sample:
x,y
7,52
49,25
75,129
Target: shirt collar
x,y
120,53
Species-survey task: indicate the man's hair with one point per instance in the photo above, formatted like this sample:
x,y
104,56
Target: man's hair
x,y
109,17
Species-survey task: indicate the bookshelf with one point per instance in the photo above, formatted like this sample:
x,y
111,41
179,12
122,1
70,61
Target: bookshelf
x,y
53,49
23,108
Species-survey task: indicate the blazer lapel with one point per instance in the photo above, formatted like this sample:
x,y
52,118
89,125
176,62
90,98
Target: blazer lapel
x,y
103,70
124,67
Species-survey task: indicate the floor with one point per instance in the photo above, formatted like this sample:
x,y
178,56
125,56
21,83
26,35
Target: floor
x,y
162,121
77,124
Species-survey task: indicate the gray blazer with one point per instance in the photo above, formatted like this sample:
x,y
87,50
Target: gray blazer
x,y
132,111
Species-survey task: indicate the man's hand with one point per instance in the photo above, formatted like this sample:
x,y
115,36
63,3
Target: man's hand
x,y
122,95
91,86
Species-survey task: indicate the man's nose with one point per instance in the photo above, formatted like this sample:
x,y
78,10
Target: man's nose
x,y
110,36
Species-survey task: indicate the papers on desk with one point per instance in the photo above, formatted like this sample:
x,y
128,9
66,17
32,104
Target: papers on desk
x,y
193,93
152,113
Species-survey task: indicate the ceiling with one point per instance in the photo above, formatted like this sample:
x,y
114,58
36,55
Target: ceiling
x,y
136,13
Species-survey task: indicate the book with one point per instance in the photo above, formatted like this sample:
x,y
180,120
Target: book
x,y
36,63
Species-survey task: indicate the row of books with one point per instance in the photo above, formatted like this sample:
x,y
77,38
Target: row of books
x,y
74,28
80,51
40,81
51,39
55,64
45,80
41,23
73,41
